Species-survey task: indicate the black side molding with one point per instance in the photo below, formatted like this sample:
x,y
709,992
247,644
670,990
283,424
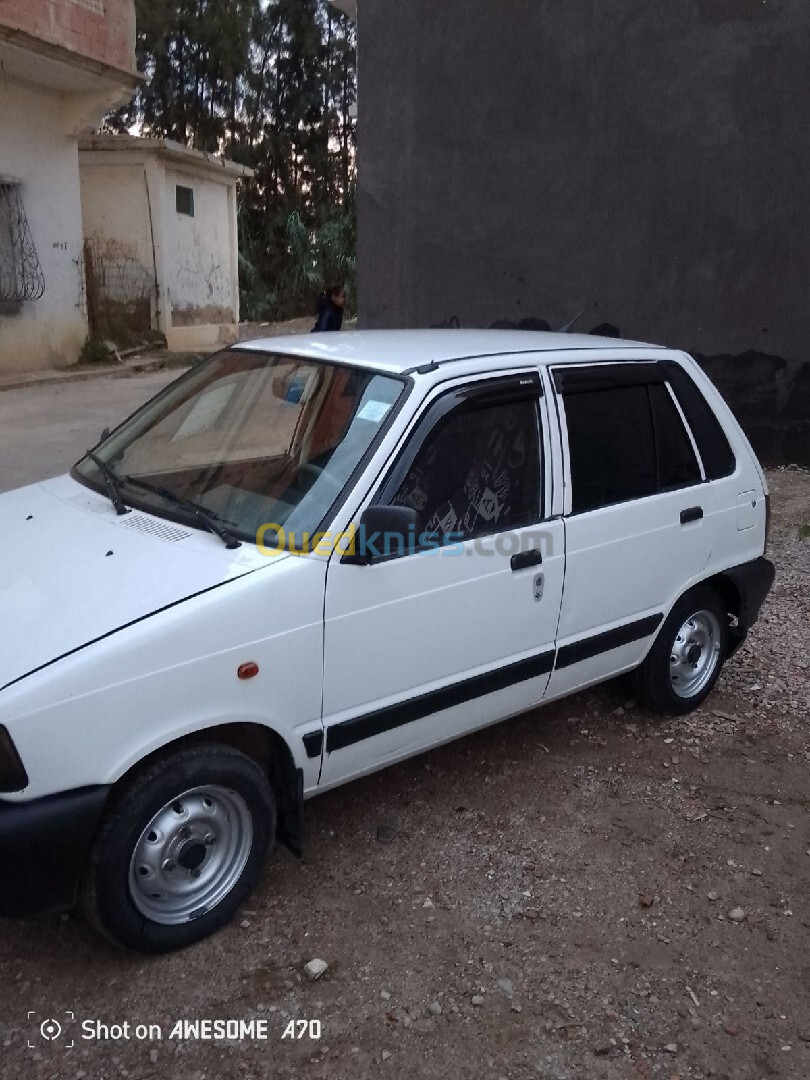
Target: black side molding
x,y
578,651
313,743
359,728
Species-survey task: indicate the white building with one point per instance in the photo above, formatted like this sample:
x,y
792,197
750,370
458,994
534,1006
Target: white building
x,y
160,238
63,65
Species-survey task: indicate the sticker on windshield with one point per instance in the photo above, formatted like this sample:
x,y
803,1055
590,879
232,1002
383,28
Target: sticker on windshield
x,y
374,410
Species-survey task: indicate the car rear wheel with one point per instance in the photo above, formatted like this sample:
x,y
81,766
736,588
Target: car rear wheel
x,y
180,849
685,662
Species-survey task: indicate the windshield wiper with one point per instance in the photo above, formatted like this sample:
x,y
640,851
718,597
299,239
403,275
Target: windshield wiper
x,y
113,482
209,519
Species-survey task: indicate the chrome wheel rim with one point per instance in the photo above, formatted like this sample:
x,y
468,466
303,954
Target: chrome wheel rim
x,y
190,855
695,654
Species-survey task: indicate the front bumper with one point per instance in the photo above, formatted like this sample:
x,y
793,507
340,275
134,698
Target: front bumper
x,y
44,845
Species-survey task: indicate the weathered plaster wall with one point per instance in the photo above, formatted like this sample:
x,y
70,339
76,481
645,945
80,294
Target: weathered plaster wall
x,y
199,257
114,205
35,150
648,161
119,248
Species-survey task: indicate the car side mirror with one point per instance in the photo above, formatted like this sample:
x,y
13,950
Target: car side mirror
x,y
103,436
385,532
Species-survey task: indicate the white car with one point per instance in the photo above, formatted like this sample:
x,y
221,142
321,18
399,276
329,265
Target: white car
x,y
311,557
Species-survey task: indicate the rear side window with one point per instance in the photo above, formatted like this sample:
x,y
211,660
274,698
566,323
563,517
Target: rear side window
x,y
612,446
676,463
717,455
626,437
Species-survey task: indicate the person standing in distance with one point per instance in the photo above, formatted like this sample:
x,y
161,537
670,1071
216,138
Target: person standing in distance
x,y
330,309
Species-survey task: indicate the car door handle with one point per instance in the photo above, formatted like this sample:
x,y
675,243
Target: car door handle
x,y
694,513
526,559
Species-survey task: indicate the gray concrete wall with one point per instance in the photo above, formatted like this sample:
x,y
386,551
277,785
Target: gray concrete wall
x,y
530,157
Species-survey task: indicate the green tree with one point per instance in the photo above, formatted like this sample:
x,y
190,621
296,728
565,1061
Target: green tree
x,y
195,55
272,84
296,136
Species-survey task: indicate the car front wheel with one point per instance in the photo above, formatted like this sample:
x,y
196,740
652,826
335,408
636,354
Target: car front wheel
x,y
179,850
685,662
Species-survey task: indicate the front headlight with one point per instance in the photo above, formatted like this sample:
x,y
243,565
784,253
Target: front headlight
x,y
13,776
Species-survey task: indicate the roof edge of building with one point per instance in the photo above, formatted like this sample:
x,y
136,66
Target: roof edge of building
x,y
165,148
11,35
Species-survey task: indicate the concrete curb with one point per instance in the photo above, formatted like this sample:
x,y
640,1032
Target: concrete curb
x,y
148,362
23,379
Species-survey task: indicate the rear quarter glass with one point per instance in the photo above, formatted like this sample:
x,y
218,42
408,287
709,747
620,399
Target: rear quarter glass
x,y
712,441
744,452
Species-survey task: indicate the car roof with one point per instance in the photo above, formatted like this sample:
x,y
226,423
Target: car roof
x,y
400,351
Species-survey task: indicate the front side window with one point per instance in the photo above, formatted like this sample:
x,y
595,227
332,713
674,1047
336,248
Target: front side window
x,y
252,438
478,472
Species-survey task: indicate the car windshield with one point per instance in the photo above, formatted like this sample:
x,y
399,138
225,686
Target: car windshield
x,y
252,438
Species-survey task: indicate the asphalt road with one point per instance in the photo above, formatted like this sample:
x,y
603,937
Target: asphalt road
x,y
45,429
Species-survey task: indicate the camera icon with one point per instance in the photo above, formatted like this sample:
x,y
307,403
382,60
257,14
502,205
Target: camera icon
x,y
51,1030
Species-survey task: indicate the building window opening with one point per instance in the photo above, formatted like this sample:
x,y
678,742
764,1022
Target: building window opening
x,y
184,200
21,276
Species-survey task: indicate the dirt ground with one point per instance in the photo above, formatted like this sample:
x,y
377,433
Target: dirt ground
x,y
556,902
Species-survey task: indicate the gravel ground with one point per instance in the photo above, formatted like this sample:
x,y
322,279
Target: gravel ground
x,y
584,892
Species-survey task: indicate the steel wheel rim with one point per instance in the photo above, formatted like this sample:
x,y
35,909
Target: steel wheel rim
x,y
695,653
190,855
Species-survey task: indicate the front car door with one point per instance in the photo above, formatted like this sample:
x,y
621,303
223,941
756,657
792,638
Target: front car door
x,y
422,647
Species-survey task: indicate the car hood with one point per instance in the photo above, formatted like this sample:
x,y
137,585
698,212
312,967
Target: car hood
x,y
73,571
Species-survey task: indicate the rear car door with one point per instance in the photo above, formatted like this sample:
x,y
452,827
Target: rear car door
x,y
422,647
637,531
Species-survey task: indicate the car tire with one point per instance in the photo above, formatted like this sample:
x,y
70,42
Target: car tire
x,y
179,849
685,662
